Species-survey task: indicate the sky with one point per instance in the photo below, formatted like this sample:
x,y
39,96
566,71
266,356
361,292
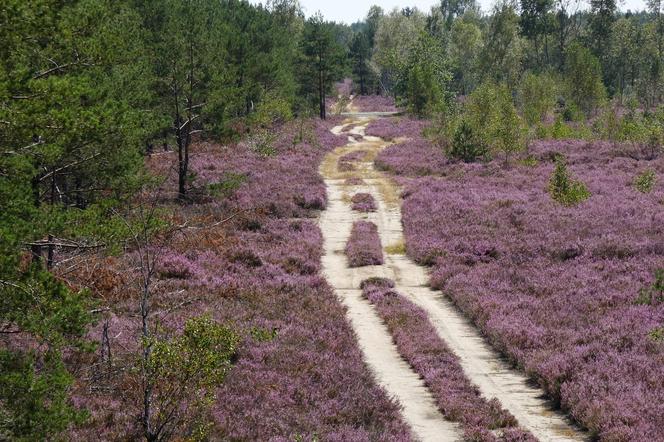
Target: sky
x,y
350,11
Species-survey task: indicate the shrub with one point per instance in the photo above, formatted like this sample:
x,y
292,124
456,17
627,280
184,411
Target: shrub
x,y
653,294
363,202
481,110
565,190
657,334
584,78
184,373
262,142
645,181
465,145
341,105
364,247
507,134
537,97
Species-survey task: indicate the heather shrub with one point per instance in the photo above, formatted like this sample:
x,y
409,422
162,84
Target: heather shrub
x,y
376,282
354,181
246,257
174,265
363,202
565,190
645,181
184,373
653,294
420,345
364,247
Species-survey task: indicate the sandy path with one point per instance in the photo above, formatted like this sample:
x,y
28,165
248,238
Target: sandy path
x,y
380,353
481,364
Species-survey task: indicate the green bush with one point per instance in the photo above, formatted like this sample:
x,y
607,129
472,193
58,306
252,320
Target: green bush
x,y
184,372
563,189
584,78
465,145
645,181
536,97
507,134
653,294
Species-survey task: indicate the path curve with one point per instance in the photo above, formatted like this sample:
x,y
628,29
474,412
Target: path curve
x,y
481,364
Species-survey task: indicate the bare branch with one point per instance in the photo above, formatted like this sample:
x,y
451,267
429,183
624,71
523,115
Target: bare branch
x,y
75,163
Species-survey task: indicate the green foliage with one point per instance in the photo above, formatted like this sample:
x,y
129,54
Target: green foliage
x,y
563,189
536,97
654,294
229,184
426,77
465,46
466,146
396,35
273,110
263,335
321,62
493,119
584,78
34,382
481,110
657,334
507,132
33,394
184,372
360,55
529,161
503,50
645,181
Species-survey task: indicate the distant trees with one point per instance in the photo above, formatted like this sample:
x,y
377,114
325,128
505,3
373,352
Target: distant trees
x,y
584,78
536,96
465,43
601,23
189,54
360,52
536,24
426,77
322,58
503,49
396,35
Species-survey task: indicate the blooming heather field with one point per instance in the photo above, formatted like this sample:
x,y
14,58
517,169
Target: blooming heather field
x,y
364,247
296,376
363,202
428,354
554,288
374,103
392,128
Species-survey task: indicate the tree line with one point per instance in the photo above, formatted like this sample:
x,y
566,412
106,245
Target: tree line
x,y
620,51
88,88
